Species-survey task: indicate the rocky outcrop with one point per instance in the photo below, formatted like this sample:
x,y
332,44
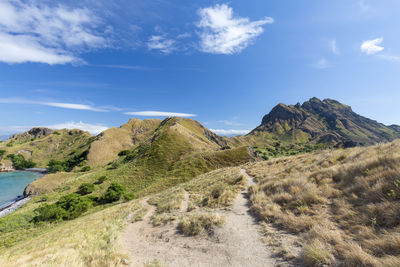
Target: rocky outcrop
x,y
34,133
5,168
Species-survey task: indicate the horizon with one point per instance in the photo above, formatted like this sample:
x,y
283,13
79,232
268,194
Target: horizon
x,y
96,130
94,66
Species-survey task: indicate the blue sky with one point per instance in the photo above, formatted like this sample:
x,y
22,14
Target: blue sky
x,y
96,64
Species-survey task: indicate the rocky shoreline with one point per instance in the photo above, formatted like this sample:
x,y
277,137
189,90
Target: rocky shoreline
x,y
19,201
13,206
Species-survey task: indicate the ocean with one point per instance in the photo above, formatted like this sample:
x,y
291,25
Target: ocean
x,y
12,184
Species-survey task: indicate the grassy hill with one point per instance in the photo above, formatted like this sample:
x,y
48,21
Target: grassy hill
x,y
332,207
176,151
42,145
108,144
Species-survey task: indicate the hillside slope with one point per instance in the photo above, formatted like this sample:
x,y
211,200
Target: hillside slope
x,y
320,122
343,205
108,144
42,145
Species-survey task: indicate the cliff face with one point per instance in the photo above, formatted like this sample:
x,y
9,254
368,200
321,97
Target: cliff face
x,y
327,122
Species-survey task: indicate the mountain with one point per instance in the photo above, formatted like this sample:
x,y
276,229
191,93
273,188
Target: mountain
x,y
327,122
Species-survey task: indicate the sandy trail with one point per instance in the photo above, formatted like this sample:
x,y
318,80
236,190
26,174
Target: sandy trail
x,y
237,243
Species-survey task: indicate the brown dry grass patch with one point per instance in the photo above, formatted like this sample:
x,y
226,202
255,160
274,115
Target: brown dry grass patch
x,y
344,205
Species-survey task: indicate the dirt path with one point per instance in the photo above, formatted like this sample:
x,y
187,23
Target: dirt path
x,y
237,243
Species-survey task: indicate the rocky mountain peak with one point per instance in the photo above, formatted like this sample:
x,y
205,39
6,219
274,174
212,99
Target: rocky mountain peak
x,y
283,112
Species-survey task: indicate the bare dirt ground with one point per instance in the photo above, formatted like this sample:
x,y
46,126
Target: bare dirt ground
x,y
237,243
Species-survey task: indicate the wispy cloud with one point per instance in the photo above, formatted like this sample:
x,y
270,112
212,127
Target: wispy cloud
x,y
126,67
222,33
88,127
52,104
371,47
159,114
321,64
161,43
389,58
230,122
36,32
230,132
334,48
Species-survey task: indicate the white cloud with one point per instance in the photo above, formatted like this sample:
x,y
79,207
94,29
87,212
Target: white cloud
x,y
334,47
159,114
371,47
230,132
36,32
321,64
71,106
91,128
158,42
222,33
52,104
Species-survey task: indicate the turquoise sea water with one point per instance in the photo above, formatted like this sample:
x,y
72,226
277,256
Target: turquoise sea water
x,y
12,184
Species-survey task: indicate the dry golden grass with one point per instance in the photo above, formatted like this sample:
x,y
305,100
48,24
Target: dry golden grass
x,y
107,146
195,224
91,240
344,205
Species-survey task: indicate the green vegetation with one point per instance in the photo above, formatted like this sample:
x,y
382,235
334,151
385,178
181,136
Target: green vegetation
x,y
67,208
10,144
114,193
20,163
85,189
2,152
279,149
68,164
101,180
58,147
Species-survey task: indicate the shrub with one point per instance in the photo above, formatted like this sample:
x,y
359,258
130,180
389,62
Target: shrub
x,y
85,189
101,180
86,169
67,208
197,224
130,157
114,193
50,213
19,162
67,165
56,166
123,153
10,144
2,152
129,196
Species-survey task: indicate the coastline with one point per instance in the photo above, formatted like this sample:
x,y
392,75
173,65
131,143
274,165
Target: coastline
x,y
13,206
20,200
